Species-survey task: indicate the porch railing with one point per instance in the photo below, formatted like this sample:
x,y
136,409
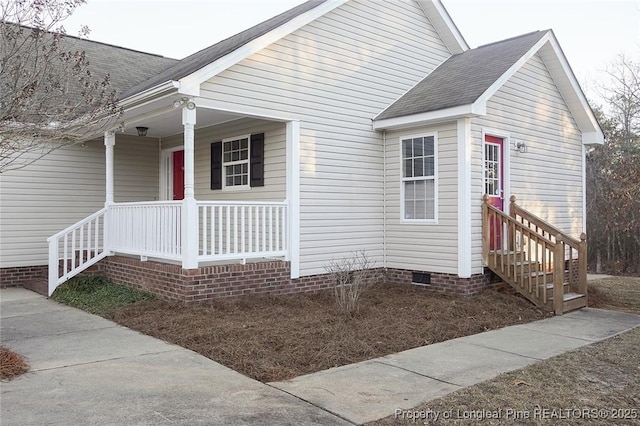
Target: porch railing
x,y
76,248
227,231
150,229
242,230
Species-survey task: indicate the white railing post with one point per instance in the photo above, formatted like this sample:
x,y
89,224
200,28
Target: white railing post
x,y
53,265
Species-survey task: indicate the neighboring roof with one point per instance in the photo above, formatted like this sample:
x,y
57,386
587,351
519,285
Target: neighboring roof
x,y
204,57
463,78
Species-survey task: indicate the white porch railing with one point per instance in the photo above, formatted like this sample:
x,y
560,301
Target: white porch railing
x,y
76,248
149,229
242,230
227,231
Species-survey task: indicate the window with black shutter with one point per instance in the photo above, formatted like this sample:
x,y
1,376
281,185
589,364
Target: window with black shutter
x,y
238,162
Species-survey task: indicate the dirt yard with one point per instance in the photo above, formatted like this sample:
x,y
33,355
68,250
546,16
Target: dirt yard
x,y
281,337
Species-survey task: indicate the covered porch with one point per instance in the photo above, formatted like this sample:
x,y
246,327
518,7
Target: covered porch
x,y
235,224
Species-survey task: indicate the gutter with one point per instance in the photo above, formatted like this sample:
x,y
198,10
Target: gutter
x,y
149,94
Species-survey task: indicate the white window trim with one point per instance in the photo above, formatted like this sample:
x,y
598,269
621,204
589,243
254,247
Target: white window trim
x,y
436,154
246,187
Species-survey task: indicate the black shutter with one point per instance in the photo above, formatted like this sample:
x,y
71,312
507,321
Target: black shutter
x,y
216,165
257,160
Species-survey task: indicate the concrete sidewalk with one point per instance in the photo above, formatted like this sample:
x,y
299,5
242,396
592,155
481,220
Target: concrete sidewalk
x,y
87,370
374,389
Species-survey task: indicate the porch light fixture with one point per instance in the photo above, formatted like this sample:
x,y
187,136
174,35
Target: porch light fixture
x,y
142,131
520,146
179,103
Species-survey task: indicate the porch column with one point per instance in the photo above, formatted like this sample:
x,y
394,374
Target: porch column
x,y
190,239
109,143
293,195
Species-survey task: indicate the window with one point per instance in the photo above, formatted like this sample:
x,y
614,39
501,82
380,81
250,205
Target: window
x,y
419,178
235,162
238,162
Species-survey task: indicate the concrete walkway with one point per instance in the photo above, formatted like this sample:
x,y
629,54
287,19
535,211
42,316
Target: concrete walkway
x,y
87,370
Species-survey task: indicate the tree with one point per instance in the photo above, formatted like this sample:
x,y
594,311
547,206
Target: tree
x,y
613,174
49,96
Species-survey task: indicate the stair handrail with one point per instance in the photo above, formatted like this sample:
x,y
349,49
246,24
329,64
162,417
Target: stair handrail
x,y
555,246
516,210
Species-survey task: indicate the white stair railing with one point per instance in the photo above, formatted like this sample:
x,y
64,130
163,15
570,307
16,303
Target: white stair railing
x,y
76,248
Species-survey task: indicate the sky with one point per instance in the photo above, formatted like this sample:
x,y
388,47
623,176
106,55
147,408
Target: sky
x,y
592,33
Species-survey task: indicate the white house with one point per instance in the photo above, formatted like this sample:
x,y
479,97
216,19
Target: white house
x,y
339,125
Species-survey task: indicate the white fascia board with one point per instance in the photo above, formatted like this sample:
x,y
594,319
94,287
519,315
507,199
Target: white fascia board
x,y
149,94
444,25
196,78
592,138
470,110
572,93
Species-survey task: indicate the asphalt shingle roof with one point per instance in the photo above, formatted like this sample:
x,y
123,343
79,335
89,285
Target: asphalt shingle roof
x,y
212,53
463,78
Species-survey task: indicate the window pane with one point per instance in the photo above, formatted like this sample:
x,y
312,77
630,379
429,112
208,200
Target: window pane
x,y
418,147
430,210
428,145
244,154
406,148
227,157
429,168
229,181
408,168
429,189
245,179
409,209
244,144
420,209
418,167
420,190
227,146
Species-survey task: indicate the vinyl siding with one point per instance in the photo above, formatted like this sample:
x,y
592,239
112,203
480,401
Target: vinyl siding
x,y
66,186
424,246
334,75
547,179
274,188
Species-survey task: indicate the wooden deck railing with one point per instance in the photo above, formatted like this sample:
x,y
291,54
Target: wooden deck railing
x,y
534,256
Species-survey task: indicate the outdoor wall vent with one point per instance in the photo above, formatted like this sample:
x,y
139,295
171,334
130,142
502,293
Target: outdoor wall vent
x,y
421,278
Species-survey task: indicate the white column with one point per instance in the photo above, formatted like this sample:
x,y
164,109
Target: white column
x,y
109,143
190,240
293,195
464,198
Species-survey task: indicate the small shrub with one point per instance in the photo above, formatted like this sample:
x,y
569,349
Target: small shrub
x,y
351,278
98,295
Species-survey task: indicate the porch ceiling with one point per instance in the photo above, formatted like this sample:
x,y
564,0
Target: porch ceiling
x,y
166,122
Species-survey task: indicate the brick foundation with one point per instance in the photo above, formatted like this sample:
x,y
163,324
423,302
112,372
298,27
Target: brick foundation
x,y
171,282
446,283
23,276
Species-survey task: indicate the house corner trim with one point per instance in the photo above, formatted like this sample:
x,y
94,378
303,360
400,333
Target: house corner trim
x,y
464,197
293,195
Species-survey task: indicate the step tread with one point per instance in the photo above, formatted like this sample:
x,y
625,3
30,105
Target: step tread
x,y
572,296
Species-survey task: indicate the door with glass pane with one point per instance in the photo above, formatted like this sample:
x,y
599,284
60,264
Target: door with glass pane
x,y
494,182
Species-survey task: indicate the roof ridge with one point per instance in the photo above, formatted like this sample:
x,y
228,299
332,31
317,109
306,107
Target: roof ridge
x,y
88,40
512,38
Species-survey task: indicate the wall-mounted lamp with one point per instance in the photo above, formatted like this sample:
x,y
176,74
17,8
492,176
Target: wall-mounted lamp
x,y
142,131
183,101
520,146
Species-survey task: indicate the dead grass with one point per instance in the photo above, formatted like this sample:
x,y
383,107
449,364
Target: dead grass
x,y
281,337
603,376
12,364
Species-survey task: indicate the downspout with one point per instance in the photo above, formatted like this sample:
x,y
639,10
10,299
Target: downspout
x,y
384,200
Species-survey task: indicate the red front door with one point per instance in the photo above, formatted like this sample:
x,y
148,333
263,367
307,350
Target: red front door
x,y
494,182
178,175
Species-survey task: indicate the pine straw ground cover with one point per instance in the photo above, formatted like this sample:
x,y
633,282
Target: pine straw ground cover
x,y
281,337
11,364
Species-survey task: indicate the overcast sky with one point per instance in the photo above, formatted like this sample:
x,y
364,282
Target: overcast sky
x,y
591,32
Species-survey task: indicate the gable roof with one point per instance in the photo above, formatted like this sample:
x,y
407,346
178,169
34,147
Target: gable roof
x,y
463,78
206,56
462,85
